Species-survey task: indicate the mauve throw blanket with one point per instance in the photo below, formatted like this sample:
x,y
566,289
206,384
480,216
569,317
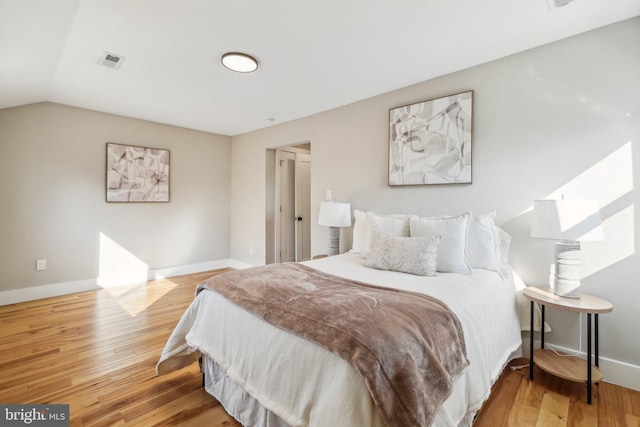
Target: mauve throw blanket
x,y
408,347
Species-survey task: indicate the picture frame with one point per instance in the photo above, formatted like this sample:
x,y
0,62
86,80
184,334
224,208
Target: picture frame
x,y
137,174
430,141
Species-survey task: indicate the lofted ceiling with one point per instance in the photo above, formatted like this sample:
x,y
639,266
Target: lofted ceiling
x,y
313,55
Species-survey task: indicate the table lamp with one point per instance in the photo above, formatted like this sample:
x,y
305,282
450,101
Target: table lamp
x,y
334,215
569,221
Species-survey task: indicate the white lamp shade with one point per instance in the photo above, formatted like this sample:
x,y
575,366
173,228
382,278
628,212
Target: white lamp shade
x,y
335,214
567,219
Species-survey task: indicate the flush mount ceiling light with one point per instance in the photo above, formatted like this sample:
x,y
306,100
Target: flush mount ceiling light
x,y
239,62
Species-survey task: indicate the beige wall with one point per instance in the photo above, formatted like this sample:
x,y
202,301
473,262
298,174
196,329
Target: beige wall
x,y
560,119
52,200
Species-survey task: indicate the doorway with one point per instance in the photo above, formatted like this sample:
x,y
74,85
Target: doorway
x,y
288,204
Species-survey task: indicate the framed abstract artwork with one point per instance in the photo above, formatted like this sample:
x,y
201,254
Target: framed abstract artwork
x,y
137,174
430,141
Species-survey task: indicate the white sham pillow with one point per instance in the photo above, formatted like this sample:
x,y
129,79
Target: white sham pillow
x,y
359,231
413,255
481,242
390,225
503,243
452,249
488,245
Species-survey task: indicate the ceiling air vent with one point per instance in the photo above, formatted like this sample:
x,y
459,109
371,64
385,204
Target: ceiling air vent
x,y
111,60
554,4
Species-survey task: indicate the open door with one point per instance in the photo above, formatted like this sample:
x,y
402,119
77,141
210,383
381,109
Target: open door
x,y
287,207
292,205
303,206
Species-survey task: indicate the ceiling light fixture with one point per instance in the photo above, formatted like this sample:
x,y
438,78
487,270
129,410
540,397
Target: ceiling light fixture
x,y
239,62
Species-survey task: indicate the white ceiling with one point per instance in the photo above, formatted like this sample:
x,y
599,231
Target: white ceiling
x,y
313,55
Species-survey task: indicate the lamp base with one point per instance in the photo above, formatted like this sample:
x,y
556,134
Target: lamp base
x,y
334,241
567,269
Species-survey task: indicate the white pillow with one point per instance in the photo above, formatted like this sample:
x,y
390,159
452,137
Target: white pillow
x,y
488,245
452,252
359,231
481,242
503,243
413,255
391,225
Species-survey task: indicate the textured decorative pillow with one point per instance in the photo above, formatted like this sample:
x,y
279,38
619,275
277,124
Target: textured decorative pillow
x,y
392,225
414,255
452,249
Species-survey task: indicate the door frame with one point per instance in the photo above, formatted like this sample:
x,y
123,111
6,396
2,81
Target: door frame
x,y
272,194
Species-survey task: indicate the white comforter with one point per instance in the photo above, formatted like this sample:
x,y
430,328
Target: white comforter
x,y
306,385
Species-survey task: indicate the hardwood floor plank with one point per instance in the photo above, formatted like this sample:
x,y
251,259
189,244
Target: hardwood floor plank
x,y
605,403
97,351
631,402
177,411
160,399
582,414
554,410
504,393
526,406
632,421
134,392
611,408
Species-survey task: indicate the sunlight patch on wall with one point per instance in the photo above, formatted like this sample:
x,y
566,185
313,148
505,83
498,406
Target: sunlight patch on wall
x,y
619,243
117,266
125,277
606,181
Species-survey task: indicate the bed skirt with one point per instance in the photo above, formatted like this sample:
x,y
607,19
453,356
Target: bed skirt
x,y
235,400
244,408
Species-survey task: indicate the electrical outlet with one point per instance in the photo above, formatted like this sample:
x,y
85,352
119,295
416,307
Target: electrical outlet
x,y
328,195
41,264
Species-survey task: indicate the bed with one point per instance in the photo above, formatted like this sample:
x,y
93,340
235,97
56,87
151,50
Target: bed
x,y
268,376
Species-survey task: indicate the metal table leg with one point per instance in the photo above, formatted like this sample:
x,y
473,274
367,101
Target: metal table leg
x,y
531,337
596,343
589,358
542,327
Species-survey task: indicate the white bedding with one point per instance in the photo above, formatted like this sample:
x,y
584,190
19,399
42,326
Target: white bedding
x,y
305,385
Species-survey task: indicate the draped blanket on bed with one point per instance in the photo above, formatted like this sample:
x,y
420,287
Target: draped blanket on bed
x,y
408,347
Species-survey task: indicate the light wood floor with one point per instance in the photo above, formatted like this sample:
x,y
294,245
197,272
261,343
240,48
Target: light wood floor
x,y
549,401
96,351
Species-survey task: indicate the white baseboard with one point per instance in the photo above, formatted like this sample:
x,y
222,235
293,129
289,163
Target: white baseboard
x,y
614,371
180,270
239,265
32,293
